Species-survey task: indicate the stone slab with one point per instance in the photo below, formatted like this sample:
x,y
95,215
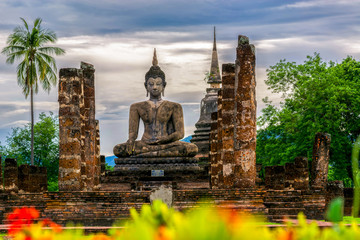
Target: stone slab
x,y
154,160
136,168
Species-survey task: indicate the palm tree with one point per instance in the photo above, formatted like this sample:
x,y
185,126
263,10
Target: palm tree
x,y
37,64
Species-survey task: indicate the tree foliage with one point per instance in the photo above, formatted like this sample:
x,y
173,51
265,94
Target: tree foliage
x,y
317,96
46,147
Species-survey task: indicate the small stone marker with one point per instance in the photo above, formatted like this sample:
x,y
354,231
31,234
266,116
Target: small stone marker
x,y
157,173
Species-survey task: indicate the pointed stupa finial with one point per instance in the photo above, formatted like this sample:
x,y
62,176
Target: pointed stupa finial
x,y
215,77
155,61
214,47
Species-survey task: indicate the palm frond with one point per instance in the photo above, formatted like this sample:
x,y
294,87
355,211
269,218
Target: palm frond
x,y
37,23
25,23
49,60
22,79
47,71
12,48
47,35
52,50
14,56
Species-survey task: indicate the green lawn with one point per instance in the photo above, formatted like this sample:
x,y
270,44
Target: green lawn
x,y
348,219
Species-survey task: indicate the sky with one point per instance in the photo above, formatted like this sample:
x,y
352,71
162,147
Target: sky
x,y
118,38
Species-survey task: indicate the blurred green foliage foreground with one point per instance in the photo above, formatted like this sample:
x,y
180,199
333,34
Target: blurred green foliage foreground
x,y
158,222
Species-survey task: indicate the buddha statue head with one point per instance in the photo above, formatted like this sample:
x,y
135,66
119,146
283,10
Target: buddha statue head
x,y
154,75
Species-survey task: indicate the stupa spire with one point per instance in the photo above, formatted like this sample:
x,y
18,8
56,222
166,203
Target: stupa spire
x,y
214,78
214,46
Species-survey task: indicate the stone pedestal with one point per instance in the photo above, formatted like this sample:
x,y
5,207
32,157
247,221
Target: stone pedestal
x,y
147,173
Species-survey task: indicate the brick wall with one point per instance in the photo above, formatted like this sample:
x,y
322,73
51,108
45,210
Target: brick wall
x,y
103,208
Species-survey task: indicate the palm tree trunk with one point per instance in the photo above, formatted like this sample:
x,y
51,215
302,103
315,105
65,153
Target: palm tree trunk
x,y
32,125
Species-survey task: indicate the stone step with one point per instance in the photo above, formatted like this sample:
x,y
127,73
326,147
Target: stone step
x,y
285,211
282,199
284,204
280,218
284,192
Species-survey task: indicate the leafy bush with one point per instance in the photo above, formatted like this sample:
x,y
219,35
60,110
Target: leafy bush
x,y
162,223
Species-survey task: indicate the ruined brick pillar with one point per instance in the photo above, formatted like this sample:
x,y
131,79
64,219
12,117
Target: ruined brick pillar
x,y
79,163
70,92
214,170
320,160
245,122
219,146
1,178
102,165
228,123
88,128
11,175
98,162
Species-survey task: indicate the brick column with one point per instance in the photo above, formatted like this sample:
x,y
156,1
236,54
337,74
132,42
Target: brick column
x,y
219,142
97,157
214,170
1,177
102,165
11,175
245,124
227,128
70,92
79,163
320,160
88,128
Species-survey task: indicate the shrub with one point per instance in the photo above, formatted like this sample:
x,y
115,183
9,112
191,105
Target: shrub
x,y
158,222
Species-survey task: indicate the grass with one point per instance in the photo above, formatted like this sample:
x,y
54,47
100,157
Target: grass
x,y
350,219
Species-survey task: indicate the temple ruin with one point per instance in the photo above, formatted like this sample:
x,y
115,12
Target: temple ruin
x,y
228,175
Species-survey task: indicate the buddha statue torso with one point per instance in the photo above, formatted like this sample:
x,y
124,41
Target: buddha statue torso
x,y
158,119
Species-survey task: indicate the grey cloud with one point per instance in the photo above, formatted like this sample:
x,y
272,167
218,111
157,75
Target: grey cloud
x,y
277,34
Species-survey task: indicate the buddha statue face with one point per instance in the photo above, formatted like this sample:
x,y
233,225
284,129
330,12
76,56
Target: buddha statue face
x,y
155,87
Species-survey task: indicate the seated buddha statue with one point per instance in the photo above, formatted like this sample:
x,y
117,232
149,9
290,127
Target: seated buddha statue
x,y
163,123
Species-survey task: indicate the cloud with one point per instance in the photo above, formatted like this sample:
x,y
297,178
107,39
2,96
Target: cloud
x,y
319,3
118,38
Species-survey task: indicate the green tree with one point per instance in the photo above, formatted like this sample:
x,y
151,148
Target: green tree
x,y
37,64
46,151
316,97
